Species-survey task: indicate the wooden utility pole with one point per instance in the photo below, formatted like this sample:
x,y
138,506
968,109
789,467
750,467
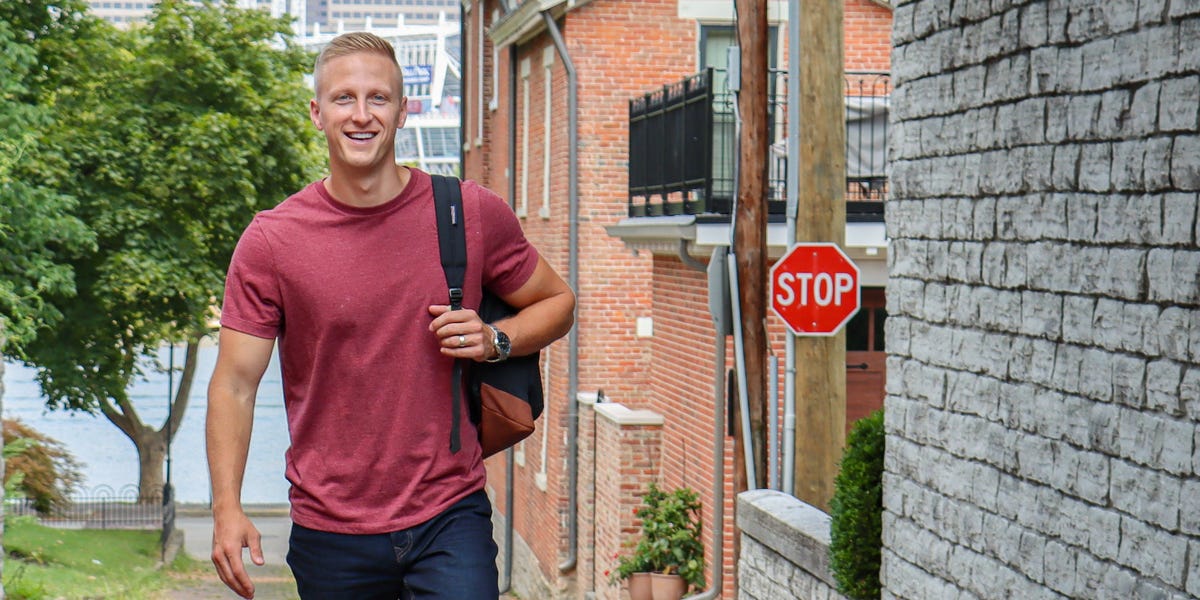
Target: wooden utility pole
x,y
820,362
750,232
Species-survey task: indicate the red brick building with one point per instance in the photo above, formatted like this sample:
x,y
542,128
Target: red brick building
x,y
644,339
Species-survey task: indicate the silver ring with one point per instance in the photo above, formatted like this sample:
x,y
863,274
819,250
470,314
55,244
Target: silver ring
x,y
462,341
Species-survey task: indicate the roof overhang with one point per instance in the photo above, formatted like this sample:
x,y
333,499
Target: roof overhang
x,y
866,243
525,22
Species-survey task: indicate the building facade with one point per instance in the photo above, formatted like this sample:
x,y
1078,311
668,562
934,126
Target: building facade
x,y
631,395
325,15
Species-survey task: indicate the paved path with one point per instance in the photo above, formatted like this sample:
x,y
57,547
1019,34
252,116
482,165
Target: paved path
x,y
272,580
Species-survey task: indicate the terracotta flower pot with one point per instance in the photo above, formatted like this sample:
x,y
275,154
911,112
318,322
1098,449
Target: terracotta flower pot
x,y
639,587
667,587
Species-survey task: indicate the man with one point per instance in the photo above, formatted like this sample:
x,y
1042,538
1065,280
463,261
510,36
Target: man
x,y
347,275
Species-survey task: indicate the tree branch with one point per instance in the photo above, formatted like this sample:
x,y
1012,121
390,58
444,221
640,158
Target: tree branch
x,y
127,425
180,403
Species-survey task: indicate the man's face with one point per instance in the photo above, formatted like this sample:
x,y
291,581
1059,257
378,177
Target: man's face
x,y
359,105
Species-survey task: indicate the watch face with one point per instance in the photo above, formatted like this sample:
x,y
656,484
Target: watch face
x,y
501,344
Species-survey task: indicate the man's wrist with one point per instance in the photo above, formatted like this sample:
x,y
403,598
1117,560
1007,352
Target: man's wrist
x,y
501,346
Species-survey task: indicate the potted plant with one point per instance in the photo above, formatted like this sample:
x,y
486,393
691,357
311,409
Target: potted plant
x,y
670,552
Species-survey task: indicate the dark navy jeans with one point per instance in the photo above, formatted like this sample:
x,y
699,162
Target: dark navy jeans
x,y
452,556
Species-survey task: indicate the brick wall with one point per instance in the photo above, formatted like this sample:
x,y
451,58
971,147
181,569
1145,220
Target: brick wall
x,y
1044,312
867,29
628,457
614,285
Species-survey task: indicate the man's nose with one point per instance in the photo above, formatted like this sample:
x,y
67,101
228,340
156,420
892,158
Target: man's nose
x,y
362,113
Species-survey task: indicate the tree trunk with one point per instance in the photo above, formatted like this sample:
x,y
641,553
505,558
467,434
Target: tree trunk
x,y
151,443
152,452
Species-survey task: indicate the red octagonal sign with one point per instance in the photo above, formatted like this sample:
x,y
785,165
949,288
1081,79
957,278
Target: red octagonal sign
x,y
814,288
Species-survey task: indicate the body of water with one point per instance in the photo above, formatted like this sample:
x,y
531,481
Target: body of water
x,y
110,459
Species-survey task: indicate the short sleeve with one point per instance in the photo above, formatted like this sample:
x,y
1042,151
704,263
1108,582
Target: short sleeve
x,y
509,257
252,302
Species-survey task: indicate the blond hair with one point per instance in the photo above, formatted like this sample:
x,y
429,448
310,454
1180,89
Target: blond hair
x,y
354,43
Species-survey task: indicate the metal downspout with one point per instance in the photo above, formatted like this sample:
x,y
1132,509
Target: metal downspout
x,y
793,201
718,530
573,281
509,455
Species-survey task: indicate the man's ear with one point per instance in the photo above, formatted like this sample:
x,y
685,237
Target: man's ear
x,y
314,113
403,112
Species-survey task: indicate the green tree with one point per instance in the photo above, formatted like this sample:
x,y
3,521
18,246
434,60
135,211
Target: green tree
x,y
37,232
38,235
178,134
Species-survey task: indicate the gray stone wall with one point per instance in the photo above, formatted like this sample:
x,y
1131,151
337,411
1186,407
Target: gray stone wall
x,y
785,549
1044,330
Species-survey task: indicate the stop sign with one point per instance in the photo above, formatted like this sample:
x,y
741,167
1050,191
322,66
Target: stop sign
x,y
814,288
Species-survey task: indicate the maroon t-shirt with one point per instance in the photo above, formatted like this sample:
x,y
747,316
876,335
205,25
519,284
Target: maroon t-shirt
x,y
367,392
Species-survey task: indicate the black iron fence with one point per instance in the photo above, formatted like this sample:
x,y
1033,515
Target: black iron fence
x,y
683,146
102,508
670,149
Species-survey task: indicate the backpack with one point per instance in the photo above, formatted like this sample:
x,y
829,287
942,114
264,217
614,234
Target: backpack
x,y
503,398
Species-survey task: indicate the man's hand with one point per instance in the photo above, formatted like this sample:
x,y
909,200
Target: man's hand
x,y
230,534
461,333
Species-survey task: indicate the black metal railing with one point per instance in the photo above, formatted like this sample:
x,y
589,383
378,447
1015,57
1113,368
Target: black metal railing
x,y
683,146
101,508
670,150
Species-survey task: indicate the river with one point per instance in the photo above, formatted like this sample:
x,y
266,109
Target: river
x,y
109,458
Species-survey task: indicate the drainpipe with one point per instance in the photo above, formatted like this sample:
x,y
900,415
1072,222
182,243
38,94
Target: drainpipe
x,y
509,455
572,280
793,201
721,324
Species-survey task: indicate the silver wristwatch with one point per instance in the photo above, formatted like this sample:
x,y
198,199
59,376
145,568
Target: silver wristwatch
x,y
500,343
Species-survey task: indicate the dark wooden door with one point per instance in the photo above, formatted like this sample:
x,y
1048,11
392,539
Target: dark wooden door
x,y
866,359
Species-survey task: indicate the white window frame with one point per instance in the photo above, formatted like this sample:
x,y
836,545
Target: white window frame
x,y
494,103
479,106
523,206
547,124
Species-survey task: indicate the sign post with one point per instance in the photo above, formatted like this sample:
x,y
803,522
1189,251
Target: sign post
x,y
815,289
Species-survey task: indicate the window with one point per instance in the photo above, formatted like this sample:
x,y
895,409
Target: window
x,y
479,81
440,141
547,126
523,206
715,42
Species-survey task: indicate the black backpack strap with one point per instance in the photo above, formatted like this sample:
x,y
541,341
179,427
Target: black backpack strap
x,y
452,243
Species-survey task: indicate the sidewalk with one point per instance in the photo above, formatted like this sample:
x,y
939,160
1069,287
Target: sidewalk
x,y
273,580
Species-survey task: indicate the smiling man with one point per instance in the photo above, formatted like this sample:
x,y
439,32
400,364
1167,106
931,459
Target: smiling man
x,y
347,276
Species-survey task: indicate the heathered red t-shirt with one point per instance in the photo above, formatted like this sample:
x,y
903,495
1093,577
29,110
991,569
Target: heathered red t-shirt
x,y
367,392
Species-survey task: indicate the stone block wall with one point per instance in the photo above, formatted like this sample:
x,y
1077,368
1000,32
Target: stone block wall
x,y
785,549
1044,329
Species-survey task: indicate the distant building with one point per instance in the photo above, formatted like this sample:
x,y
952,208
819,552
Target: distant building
x,y
329,15
385,13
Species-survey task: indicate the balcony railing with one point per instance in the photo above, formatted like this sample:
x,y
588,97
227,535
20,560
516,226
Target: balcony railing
x,y
683,146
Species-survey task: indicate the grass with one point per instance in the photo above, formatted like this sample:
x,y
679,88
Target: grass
x,y
44,562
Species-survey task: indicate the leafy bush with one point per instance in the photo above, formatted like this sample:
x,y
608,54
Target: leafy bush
x,y
857,511
38,467
671,537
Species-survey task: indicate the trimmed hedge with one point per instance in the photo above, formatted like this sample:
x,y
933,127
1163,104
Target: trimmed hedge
x,y
856,527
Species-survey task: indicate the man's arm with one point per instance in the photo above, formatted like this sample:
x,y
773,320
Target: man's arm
x,y
241,361
546,311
